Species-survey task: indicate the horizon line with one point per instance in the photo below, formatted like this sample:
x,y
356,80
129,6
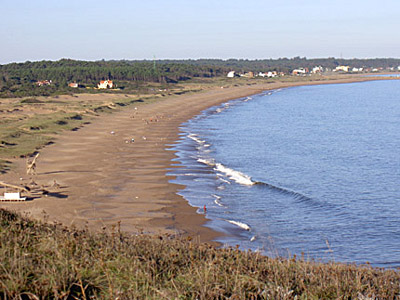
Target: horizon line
x,y
201,58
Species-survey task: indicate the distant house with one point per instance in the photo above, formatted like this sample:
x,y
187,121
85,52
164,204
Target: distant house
x,y
231,74
73,85
342,69
43,82
356,70
318,69
301,71
105,84
272,74
398,68
248,75
269,74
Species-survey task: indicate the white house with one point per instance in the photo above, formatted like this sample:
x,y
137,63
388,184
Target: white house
x,y
300,71
356,70
105,84
316,70
268,74
73,85
342,68
231,74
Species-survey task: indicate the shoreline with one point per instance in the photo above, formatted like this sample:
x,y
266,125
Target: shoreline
x,y
106,179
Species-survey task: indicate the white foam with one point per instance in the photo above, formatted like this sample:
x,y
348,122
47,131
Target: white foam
x,y
237,176
216,201
207,162
224,180
195,138
240,224
191,174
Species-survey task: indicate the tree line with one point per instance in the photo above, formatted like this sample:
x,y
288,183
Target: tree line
x,y
18,79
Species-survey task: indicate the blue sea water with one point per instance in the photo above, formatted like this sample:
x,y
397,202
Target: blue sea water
x,y
312,170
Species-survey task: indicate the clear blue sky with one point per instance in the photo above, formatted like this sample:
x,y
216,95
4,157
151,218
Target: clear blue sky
x,y
121,29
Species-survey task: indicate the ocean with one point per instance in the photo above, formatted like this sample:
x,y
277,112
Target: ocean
x,y
312,171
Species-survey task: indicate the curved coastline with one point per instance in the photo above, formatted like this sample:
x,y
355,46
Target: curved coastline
x,y
108,180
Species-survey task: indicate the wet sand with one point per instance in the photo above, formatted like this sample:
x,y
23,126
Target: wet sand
x,y
106,179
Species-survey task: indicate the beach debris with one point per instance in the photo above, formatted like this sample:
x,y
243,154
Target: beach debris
x,y
31,166
132,140
43,190
112,132
55,185
143,137
17,187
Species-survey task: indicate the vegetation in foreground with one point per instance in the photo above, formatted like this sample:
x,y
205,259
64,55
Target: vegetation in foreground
x,y
43,261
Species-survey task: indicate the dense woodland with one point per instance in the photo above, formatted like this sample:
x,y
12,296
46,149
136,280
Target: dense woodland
x,y
18,79
286,65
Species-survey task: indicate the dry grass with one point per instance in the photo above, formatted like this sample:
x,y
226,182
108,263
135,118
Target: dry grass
x,y
42,261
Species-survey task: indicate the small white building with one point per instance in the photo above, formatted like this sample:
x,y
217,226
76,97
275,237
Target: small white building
x,y
105,84
317,69
12,197
357,70
269,74
300,71
342,68
73,85
231,74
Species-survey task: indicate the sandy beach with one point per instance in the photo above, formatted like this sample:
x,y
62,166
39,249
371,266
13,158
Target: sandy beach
x,y
107,179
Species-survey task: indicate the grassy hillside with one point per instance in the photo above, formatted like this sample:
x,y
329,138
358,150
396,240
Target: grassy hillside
x,y
43,261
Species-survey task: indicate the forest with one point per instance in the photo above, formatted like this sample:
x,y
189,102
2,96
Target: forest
x,y
19,79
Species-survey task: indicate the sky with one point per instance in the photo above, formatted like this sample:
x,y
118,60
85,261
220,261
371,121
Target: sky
x,y
177,29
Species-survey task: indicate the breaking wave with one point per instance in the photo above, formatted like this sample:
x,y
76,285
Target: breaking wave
x,y
217,201
245,179
240,224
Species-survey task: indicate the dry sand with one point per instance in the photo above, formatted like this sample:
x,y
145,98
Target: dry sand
x,y
106,179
